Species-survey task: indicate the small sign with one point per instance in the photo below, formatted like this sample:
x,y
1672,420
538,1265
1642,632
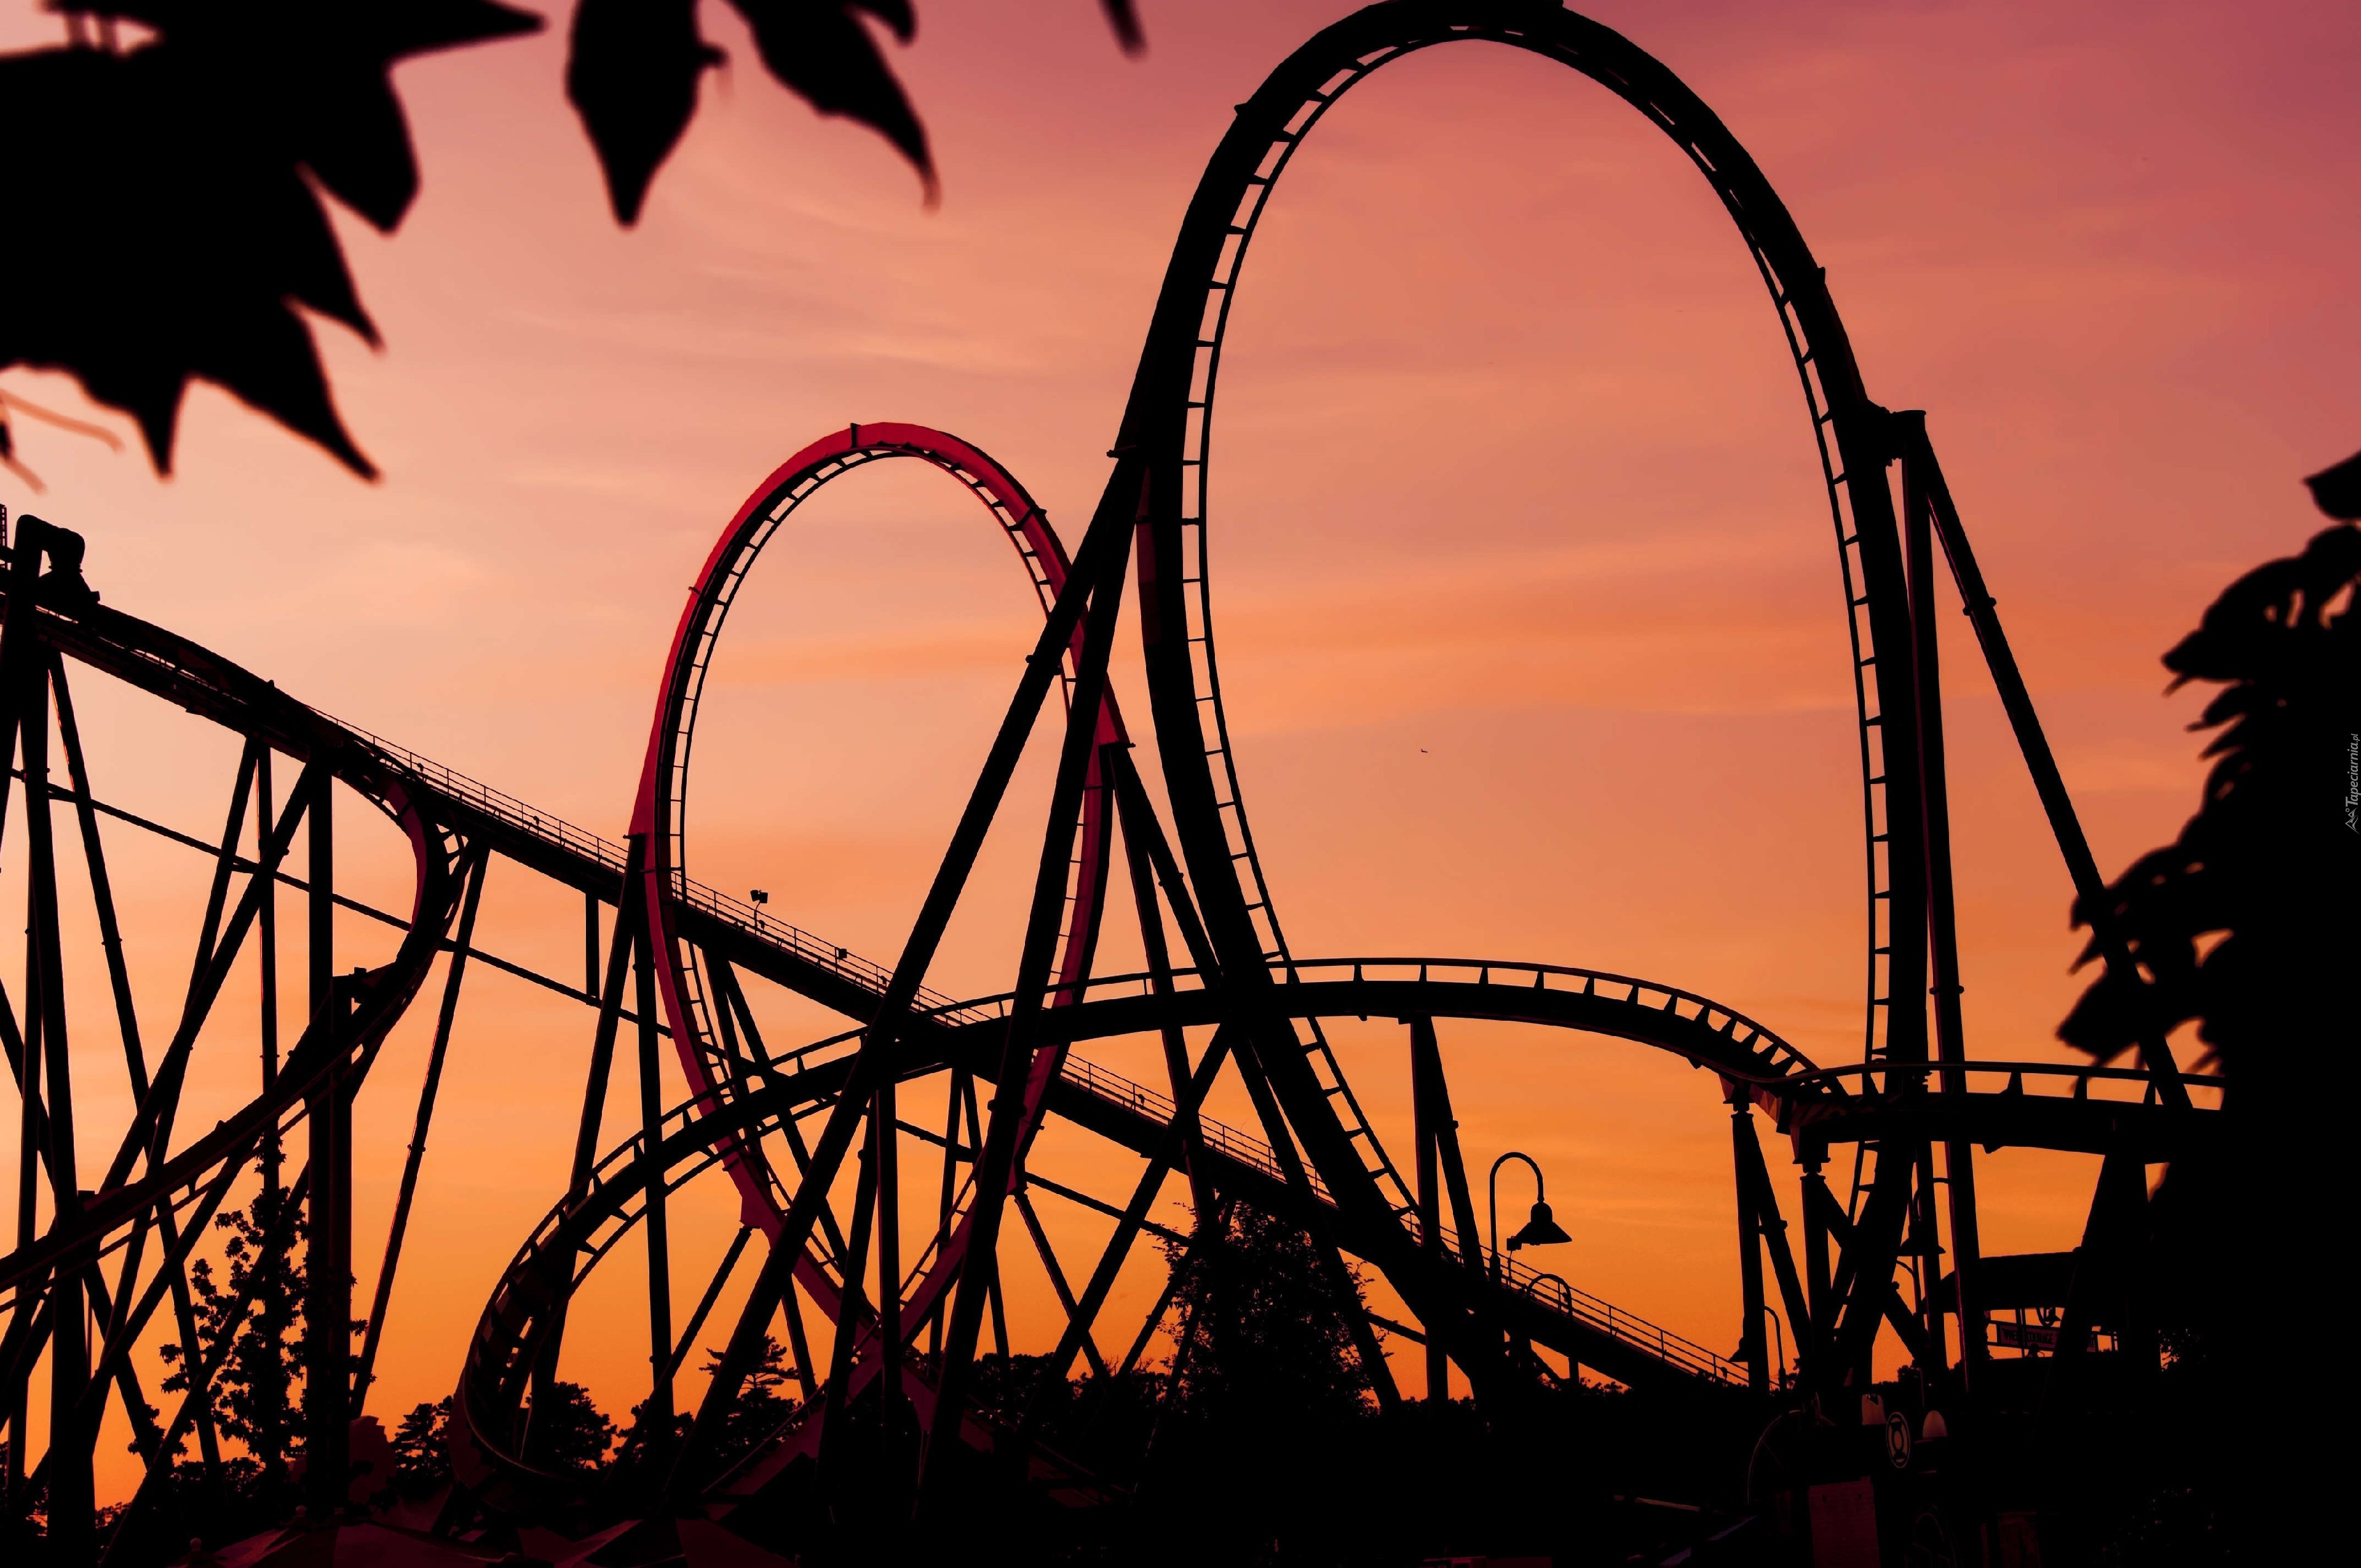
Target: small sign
x,y
1844,1525
1897,1441
2031,1336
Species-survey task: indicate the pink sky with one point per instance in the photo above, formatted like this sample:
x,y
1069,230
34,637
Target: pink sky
x,y
1527,598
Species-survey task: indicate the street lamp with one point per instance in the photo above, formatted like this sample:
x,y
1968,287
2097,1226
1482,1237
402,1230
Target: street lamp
x,y
1541,1230
1744,1355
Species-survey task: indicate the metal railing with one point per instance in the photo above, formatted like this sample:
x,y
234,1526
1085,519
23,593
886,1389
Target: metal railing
x,y
1112,1087
581,842
1599,1315
2031,1080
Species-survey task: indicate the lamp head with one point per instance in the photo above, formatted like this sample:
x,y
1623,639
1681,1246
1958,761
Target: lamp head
x,y
1542,1229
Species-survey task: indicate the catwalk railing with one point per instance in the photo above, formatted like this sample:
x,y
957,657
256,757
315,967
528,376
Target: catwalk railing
x,y
1115,1090
570,839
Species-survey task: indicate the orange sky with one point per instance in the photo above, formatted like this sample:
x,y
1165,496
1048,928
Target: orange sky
x,y
1529,614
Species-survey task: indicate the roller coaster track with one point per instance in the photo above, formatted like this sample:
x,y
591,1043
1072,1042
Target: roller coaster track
x,y
459,809
1217,961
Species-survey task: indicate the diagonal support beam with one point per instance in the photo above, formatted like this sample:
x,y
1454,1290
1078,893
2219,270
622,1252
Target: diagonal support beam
x,y
1082,1314
2065,826
877,1050
478,862
1842,1364
1754,1174
1075,1326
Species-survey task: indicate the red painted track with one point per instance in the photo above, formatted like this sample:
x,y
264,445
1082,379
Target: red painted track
x,y
658,814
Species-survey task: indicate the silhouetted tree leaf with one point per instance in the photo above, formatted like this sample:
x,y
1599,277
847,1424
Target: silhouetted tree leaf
x,y
2338,490
2253,869
818,50
2248,924
311,76
895,14
158,240
631,74
165,225
1124,17
634,68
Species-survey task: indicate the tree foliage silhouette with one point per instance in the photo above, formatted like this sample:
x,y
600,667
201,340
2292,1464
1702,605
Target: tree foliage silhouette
x,y
567,1431
1264,1343
2234,920
167,201
250,1316
421,1452
2246,926
1263,1387
168,228
760,1409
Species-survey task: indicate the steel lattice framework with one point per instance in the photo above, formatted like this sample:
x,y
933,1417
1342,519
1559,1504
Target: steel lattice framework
x,y
100,1262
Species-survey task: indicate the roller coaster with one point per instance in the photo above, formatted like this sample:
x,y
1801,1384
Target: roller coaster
x,y
817,1141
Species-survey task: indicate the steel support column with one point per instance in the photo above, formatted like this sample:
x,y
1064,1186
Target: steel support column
x,y
1753,1343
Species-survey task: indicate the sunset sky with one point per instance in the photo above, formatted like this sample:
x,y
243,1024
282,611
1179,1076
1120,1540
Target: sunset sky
x,y
1526,587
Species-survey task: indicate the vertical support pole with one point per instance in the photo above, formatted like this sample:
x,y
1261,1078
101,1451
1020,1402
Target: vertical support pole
x,y
267,919
657,1417
943,1203
328,1287
1750,1245
28,1088
900,1469
1817,1200
327,1268
589,945
22,568
71,1499
1922,1250
1942,920
997,1302
798,1342
320,907
1430,1194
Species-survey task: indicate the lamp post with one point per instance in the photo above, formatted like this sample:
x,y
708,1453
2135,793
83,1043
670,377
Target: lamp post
x,y
1778,1371
1541,1230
